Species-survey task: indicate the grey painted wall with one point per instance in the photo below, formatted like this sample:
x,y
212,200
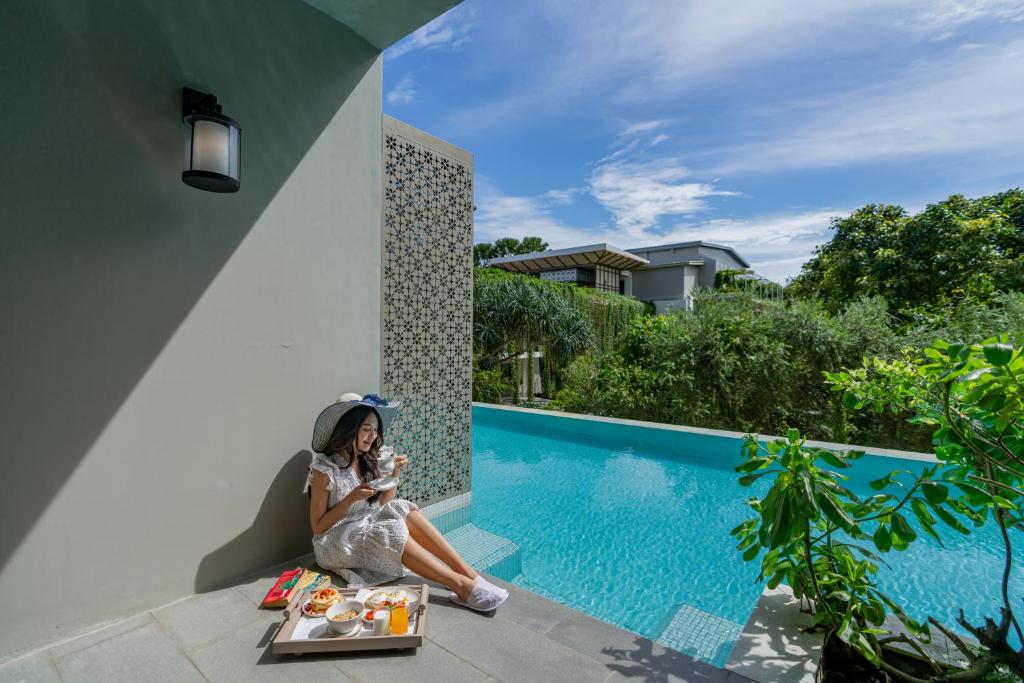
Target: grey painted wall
x,y
165,350
669,286
659,283
427,343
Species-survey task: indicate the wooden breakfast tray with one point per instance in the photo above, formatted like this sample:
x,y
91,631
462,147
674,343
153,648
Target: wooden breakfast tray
x,y
364,640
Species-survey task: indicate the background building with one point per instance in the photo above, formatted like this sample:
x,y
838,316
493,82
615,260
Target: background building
x,y
666,275
674,271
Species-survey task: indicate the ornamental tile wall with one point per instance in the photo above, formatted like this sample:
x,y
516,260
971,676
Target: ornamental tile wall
x,y
427,308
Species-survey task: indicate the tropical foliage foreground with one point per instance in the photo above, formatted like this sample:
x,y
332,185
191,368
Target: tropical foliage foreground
x,y
812,531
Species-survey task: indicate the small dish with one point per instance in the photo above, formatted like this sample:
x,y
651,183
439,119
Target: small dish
x,y
307,611
384,483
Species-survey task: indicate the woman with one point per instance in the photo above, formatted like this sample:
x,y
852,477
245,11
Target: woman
x,y
380,540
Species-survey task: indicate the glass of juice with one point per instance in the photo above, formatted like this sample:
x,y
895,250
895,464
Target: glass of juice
x,y
399,619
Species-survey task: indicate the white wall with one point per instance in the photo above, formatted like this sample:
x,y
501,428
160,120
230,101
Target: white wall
x,y
165,350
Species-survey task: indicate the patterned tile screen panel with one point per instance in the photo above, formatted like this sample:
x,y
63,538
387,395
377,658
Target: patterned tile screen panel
x,y
427,309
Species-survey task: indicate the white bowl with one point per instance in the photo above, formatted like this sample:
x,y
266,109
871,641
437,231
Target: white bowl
x,y
345,626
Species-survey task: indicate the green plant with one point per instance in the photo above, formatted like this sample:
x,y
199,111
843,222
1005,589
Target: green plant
x,y
974,395
490,386
810,530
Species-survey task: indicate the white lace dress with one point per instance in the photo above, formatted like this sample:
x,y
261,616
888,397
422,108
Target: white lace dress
x,y
365,545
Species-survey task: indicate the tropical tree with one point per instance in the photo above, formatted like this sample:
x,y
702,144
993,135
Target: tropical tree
x,y
506,246
516,314
953,249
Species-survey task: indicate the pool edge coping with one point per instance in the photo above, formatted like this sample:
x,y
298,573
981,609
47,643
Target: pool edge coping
x,y
870,450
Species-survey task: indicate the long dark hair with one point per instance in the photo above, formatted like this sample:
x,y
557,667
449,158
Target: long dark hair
x,y
343,440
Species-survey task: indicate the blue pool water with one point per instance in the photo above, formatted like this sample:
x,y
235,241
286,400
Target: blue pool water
x,y
631,525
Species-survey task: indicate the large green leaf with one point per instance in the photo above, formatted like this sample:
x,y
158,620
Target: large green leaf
x,y
976,495
949,519
935,493
832,458
834,512
998,354
883,538
902,530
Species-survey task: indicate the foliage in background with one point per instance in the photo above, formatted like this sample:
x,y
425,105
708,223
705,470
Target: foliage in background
x,y
956,249
507,246
490,385
735,362
742,363
974,395
515,314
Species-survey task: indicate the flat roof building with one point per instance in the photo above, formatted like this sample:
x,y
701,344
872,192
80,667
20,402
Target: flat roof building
x,y
666,275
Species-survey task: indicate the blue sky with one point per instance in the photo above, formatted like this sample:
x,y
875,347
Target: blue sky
x,y
748,123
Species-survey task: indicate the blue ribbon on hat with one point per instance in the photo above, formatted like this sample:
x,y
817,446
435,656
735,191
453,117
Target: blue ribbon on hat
x,y
375,400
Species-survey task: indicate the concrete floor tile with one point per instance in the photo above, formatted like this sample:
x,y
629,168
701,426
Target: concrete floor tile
x,y
92,638
427,663
143,654
443,614
245,656
34,668
511,652
208,616
628,655
531,610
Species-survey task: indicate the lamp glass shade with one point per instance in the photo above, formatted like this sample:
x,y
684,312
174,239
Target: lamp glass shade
x,y
211,153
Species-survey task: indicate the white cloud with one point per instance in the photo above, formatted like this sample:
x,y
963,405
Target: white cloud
x,y
639,190
451,30
643,127
610,53
499,215
563,197
403,93
941,18
639,194
949,107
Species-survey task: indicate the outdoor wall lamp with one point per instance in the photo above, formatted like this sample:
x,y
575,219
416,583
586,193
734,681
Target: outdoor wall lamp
x,y
211,147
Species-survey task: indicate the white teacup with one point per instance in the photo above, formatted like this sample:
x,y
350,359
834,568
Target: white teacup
x,y
386,460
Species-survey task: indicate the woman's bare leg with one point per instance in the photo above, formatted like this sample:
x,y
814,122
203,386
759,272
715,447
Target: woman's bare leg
x,y
419,560
427,535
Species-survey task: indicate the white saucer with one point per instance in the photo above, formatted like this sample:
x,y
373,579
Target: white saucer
x,y
384,483
355,629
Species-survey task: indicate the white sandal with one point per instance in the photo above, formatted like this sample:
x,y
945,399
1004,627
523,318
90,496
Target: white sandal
x,y
483,597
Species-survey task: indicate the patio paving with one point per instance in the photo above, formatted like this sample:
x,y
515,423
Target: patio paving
x,y
222,636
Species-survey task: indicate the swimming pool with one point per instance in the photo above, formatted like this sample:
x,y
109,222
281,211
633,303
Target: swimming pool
x,y
630,524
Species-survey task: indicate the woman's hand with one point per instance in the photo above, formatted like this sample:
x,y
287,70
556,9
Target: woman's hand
x,y
400,462
361,492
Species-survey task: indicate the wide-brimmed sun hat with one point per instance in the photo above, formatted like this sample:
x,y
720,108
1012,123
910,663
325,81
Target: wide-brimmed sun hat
x,y
330,415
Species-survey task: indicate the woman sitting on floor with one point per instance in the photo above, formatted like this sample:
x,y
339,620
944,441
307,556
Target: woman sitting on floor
x,y
358,529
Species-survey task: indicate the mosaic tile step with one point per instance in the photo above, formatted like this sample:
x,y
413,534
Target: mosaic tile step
x,y
701,635
450,514
487,552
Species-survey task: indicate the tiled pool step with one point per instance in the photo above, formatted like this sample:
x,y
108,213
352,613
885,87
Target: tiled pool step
x,y
701,635
487,552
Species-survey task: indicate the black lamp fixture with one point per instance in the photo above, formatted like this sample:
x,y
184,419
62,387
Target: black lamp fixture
x,y
211,147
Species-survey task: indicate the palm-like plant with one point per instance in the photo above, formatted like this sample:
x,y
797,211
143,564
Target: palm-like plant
x,y
513,315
